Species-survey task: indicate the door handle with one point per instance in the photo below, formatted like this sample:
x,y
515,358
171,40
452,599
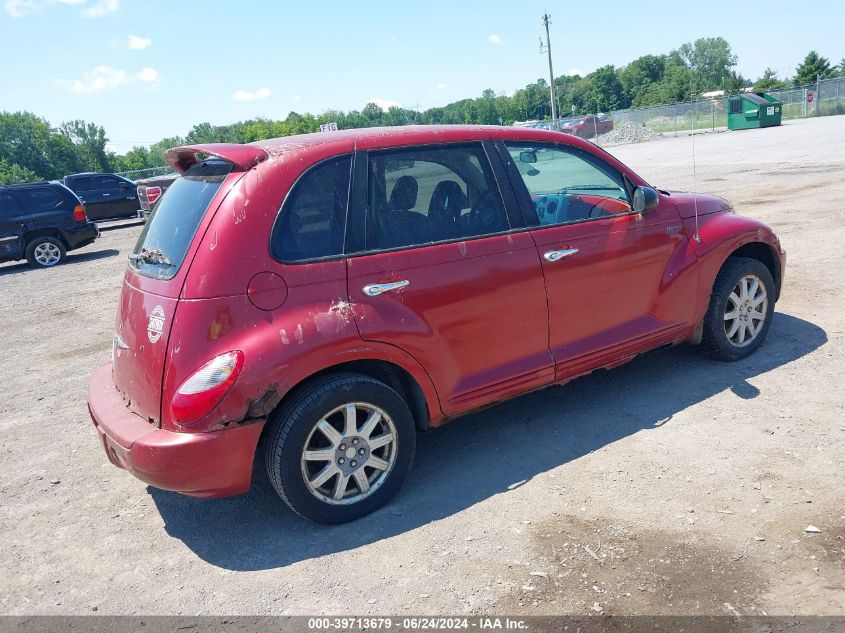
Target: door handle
x,y
106,194
374,290
553,256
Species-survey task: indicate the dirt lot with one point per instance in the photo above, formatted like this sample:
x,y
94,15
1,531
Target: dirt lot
x,y
672,485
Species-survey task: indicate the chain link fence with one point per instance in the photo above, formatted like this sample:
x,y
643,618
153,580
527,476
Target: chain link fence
x,y
709,115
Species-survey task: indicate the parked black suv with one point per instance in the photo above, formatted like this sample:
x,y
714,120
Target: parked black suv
x,y
106,196
42,221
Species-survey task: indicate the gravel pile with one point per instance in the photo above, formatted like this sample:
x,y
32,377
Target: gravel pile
x,y
626,133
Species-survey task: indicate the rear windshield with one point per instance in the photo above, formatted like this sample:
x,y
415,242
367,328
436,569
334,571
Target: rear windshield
x,y
163,243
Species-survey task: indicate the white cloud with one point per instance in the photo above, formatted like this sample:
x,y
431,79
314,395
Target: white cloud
x,y
439,87
495,39
138,43
575,71
246,95
103,7
385,104
20,8
295,99
108,78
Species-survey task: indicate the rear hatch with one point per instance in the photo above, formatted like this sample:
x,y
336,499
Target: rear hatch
x,y
154,279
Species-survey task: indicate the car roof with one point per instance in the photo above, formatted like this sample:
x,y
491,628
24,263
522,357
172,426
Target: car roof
x,y
372,137
94,173
247,156
40,183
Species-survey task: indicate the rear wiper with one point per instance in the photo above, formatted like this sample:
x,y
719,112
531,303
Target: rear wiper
x,y
151,256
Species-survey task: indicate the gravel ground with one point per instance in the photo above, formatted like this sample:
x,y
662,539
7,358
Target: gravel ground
x,y
673,484
626,133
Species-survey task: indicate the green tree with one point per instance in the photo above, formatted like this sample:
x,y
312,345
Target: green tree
x,y
90,140
12,173
31,143
734,83
814,65
134,159
711,60
769,81
607,92
638,76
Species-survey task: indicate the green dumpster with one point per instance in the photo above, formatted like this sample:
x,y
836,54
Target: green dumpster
x,y
753,109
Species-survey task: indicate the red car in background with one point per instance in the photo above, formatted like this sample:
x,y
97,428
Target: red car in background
x,y
588,127
321,298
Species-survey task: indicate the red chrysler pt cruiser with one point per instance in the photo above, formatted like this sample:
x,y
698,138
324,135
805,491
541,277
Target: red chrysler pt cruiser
x,y
321,298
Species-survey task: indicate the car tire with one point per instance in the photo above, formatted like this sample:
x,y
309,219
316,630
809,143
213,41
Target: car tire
x,y
741,308
45,251
308,462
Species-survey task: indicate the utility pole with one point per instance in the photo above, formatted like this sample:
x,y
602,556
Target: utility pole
x,y
546,20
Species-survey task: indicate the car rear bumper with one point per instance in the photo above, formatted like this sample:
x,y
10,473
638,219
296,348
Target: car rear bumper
x,y
81,235
215,464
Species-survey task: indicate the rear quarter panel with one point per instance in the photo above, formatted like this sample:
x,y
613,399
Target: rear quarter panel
x,y
311,330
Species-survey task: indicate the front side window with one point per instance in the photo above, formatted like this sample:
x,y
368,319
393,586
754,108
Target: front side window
x,y
567,187
106,182
312,223
425,195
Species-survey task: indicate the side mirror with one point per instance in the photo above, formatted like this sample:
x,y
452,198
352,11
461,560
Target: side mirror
x,y
124,185
527,157
645,199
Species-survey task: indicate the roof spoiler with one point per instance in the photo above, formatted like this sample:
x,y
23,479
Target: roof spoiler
x,y
243,157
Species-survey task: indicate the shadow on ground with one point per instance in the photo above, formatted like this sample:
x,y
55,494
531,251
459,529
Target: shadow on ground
x,y
72,258
484,454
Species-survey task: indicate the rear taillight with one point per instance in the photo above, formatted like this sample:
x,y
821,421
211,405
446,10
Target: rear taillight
x,y
205,388
79,214
153,194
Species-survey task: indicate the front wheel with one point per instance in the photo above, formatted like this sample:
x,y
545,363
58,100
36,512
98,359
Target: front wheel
x,y
740,311
341,448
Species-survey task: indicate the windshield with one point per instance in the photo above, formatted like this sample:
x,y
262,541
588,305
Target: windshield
x,y
162,246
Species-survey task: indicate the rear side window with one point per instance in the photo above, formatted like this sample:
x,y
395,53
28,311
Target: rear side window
x,y
423,195
312,223
81,184
40,200
163,243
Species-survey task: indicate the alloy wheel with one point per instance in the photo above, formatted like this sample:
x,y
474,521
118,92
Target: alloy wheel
x,y
745,311
349,453
47,254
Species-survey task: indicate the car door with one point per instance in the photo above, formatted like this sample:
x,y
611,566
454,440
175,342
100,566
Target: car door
x,y
437,269
11,227
612,274
117,196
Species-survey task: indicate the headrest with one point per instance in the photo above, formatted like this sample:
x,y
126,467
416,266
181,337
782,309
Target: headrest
x,y
404,194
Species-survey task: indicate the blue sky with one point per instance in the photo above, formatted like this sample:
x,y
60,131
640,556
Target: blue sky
x,y
146,69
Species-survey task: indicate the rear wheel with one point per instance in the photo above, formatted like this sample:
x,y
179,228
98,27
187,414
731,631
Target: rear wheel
x,y
45,252
740,311
340,448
